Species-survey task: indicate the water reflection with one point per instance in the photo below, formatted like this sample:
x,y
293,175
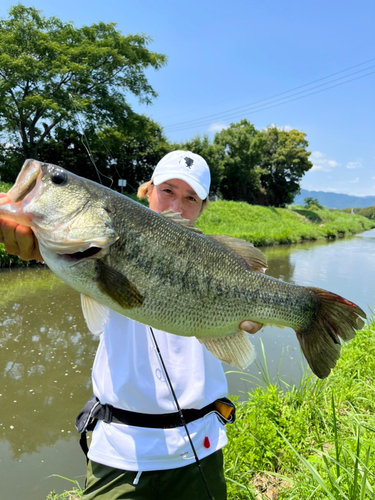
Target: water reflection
x,y
45,360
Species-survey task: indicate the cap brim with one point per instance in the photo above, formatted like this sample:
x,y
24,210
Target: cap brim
x,y
201,192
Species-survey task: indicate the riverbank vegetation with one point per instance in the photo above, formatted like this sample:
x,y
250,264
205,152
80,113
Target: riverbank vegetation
x,y
265,226
309,441
368,212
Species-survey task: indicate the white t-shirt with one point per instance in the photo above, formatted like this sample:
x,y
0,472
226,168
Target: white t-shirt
x,y
128,374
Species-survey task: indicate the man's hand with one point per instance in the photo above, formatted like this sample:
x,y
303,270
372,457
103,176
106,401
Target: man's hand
x,y
18,239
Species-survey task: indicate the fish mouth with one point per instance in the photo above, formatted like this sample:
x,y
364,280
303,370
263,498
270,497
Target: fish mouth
x,y
26,181
74,258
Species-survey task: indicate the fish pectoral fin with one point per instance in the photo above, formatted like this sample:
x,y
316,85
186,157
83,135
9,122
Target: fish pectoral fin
x,y
117,286
176,217
95,314
253,257
235,348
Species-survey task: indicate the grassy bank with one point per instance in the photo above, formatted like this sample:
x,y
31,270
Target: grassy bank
x,y
315,441
271,226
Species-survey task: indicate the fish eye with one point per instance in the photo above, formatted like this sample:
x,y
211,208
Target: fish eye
x,y
59,177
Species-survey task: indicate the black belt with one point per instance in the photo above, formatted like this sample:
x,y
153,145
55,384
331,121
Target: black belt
x,y
109,414
94,411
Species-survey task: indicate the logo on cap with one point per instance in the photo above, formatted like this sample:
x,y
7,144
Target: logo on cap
x,y
189,161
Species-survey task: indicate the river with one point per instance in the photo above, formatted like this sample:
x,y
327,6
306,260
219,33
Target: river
x,y
46,356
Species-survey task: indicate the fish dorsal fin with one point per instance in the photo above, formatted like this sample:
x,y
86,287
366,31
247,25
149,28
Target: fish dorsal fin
x,y
95,314
176,217
252,256
235,348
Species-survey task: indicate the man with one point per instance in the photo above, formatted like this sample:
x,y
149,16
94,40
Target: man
x,y
143,458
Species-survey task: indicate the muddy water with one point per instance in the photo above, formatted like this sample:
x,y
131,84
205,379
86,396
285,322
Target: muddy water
x,y
46,356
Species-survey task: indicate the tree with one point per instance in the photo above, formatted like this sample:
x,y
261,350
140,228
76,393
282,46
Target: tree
x,y
129,150
11,160
50,69
238,156
284,161
135,149
311,202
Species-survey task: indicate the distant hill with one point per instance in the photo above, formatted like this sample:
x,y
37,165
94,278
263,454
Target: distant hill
x,y
335,200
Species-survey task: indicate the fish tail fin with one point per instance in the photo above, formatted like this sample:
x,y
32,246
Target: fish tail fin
x,y
334,318
235,348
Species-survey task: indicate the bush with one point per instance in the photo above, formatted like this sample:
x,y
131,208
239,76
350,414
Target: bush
x,y
368,212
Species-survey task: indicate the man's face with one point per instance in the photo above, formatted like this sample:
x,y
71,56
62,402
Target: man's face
x,y
178,196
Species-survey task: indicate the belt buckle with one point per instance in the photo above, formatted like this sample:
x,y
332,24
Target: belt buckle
x,y
108,414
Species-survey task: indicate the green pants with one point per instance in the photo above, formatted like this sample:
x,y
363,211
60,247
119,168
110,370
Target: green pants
x,y
184,483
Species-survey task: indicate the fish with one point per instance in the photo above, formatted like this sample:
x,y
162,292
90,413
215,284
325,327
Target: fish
x,y
160,270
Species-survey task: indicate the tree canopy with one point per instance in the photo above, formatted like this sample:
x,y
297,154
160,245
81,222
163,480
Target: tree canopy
x,y
50,69
311,202
239,156
129,150
262,167
284,161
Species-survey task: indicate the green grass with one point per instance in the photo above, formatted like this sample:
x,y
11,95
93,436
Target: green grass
x,y
271,226
74,494
313,441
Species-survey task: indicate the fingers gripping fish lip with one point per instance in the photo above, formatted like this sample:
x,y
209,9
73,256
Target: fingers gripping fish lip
x,y
26,180
67,222
24,190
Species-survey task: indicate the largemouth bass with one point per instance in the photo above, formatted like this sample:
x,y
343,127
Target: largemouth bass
x,y
158,270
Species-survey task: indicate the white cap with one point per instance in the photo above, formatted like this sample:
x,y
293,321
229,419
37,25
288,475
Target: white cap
x,y
186,166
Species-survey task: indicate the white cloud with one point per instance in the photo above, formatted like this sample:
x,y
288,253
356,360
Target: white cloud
x,y
354,164
355,180
320,162
217,127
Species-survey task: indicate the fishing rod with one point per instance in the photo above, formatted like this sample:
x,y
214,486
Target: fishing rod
x,y
197,461
85,141
86,145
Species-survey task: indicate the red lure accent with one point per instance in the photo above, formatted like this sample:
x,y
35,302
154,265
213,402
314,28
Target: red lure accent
x,y
206,442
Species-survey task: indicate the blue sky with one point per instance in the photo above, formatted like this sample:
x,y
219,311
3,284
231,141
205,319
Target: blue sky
x,y
224,57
